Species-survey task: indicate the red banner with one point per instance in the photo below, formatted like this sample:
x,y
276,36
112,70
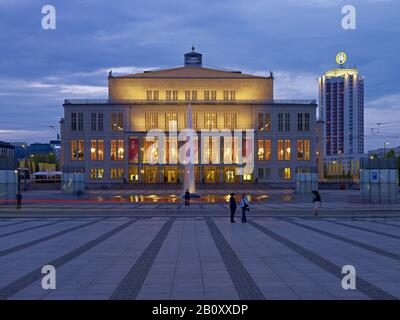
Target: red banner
x,y
133,150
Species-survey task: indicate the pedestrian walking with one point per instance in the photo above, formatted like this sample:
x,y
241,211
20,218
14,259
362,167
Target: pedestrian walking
x,y
232,206
316,202
244,204
187,197
19,201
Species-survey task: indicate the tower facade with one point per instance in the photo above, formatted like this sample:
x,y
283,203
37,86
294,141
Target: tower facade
x,y
341,107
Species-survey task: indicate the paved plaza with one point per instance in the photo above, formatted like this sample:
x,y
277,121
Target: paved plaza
x,y
197,256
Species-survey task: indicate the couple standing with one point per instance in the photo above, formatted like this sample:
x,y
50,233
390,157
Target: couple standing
x,y
244,204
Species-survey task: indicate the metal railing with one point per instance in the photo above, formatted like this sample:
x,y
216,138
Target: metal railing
x,y
174,102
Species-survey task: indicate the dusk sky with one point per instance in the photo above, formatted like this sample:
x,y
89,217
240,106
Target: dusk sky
x,y
296,39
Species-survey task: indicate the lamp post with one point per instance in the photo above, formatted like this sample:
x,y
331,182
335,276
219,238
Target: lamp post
x,y
384,149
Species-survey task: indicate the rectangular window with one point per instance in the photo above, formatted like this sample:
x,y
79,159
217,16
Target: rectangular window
x,y
264,149
117,173
175,95
303,149
267,149
306,122
287,121
213,95
93,121
80,121
206,95
77,150
151,120
268,173
194,121
280,121
267,122
194,95
97,150
284,173
260,118
299,122
187,95
233,95
230,121
260,173
114,126
117,149
210,121
226,95
260,150
73,121
101,122
96,173
156,95
120,122
171,120
149,95
284,150
168,95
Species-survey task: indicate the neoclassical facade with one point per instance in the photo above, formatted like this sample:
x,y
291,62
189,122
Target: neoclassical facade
x,y
106,139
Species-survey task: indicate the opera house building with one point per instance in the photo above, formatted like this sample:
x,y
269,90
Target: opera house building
x,y
108,140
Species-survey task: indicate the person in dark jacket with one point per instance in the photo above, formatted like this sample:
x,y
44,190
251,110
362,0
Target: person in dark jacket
x,y
19,201
187,197
316,201
232,206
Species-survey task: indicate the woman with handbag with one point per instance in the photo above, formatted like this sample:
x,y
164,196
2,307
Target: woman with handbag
x,y
244,204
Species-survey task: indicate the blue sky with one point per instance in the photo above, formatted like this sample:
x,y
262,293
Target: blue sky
x,y
297,39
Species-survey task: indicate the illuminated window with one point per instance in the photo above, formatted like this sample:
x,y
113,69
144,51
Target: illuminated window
x,y
303,149
175,95
284,150
213,95
267,126
233,95
156,95
260,118
171,121
77,149
149,95
117,121
264,149
96,173
194,121
168,95
194,95
97,150
226,95
210,121
151,120
117,173
260,150
187,95
206,95
230,121
117,149
284,173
